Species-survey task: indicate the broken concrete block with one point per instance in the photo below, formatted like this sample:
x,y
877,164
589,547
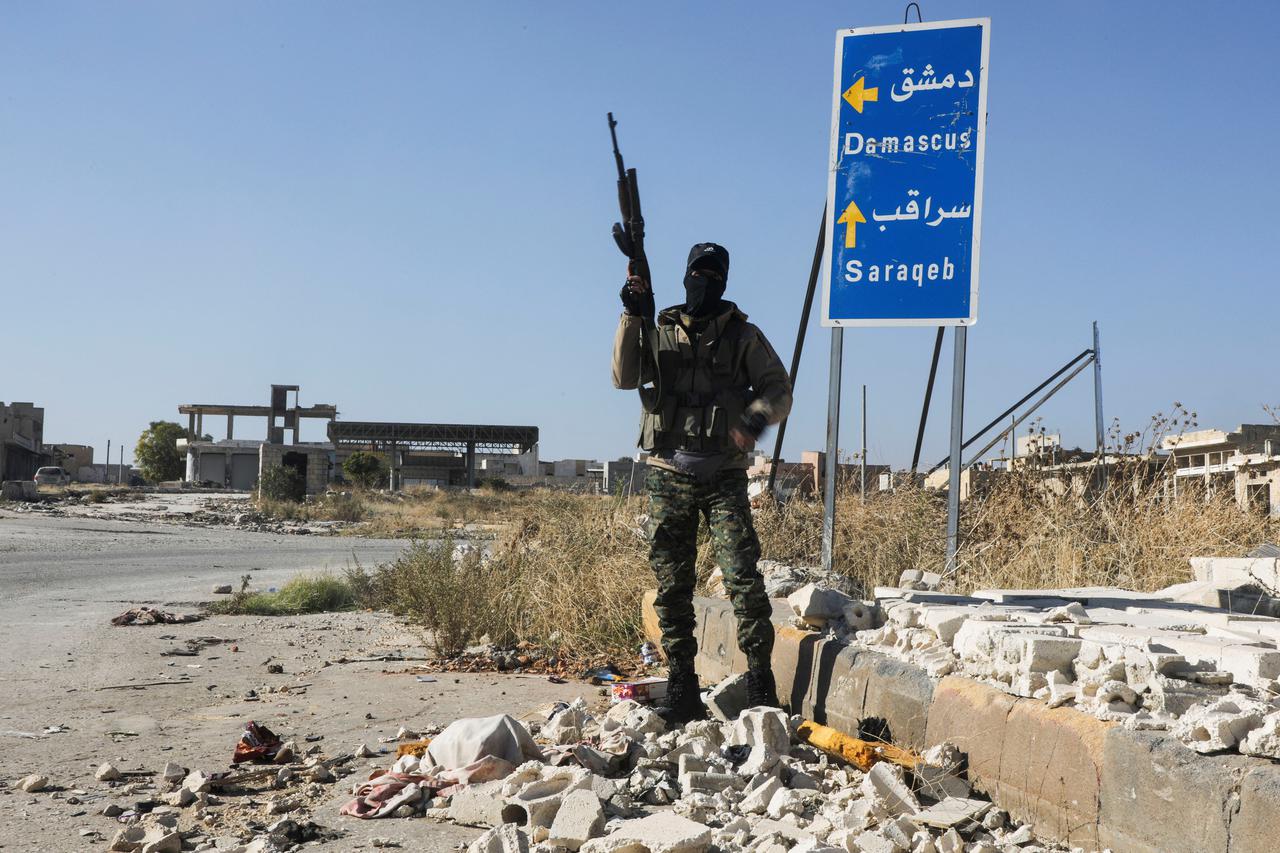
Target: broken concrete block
x,y
949,842
785,802
663,832
580,818
951,811
106,772
33,783
818,605
478,805
757,799
197,781
180,798
765,731
128,839
900,832
505,838
874,842
703,782
536,804
945,621
155,838
1222,723
884,783
567,727
858,616
1264,741
939,773
728,698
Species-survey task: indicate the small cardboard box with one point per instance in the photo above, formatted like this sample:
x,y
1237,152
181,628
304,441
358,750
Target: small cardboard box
x,y
644,691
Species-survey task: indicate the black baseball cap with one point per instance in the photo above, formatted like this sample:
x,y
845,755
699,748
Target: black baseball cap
x,y
709,256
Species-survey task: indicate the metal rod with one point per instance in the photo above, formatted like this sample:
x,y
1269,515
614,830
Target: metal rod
x,y
1100,425
864,443
1036,390
833,438
928,395
1054,390
957,434
814,269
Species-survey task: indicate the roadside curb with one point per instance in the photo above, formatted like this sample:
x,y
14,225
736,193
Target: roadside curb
x,y
1076,779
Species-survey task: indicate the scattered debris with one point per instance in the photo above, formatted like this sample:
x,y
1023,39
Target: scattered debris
x,y
152,616
258,744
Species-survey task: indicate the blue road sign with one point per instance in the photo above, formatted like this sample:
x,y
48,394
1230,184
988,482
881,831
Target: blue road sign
x,y
904,203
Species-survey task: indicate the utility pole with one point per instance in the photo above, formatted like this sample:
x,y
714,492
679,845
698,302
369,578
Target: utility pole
x,y
120,467
1099,424
106,467
864,443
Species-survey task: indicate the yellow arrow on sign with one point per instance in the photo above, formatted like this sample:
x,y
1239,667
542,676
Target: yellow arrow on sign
x,y
857,94
850,219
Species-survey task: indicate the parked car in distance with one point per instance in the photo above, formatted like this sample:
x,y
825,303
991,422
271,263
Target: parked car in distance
x,y
52,475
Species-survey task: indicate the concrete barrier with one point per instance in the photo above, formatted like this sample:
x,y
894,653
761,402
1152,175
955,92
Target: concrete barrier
x,y
1076,779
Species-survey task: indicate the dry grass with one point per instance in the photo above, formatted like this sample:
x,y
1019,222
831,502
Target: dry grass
x,y
568,575
568,570
420,512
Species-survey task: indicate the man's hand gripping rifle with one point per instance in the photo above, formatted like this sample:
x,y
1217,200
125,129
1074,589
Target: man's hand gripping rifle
x,y
637,293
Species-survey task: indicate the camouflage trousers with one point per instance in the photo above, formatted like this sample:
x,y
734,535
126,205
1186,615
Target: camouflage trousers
x,y
675,502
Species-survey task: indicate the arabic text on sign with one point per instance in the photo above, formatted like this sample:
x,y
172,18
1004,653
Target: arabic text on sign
x,y
928,82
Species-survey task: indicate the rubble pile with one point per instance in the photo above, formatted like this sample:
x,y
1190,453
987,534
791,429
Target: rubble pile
x,y
239,811
1169,660
781,580
620,782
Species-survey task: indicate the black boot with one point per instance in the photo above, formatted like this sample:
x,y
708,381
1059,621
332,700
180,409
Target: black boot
x,y
761,688
683,704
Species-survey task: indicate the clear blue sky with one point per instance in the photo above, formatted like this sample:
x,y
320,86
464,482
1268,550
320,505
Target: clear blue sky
x,y
405,207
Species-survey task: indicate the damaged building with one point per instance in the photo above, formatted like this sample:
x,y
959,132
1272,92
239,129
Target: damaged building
x,y
21,441
440,455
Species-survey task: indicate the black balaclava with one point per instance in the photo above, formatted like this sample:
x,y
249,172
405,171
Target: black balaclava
x,y
702,294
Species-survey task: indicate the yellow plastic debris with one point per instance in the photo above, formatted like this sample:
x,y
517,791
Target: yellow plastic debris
x,y
862,754
416,748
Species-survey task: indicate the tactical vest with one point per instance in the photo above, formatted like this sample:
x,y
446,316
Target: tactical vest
x,y
703,395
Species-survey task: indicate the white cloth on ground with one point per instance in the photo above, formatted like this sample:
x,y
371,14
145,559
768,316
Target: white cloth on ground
x,y
468,740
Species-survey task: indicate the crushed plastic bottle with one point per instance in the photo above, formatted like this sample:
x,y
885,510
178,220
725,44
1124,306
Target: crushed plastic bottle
x,y
649,654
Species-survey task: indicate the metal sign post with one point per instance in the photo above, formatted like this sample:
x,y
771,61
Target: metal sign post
x,y
957,438
904,199
833,434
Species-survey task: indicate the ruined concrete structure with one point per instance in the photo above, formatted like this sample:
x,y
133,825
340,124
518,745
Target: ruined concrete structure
x,y
430,449
239,463
415,454
21,441
1245,462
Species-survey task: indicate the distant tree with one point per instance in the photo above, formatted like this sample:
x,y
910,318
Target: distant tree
x,y
157,452
365,469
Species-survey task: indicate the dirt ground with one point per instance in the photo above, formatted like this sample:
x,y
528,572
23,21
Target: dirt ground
x,y
62,664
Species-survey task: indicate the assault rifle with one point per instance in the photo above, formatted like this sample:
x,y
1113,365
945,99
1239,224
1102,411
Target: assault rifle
x,y
629,235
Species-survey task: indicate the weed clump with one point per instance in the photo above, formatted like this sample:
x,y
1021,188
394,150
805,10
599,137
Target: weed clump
x,y
321,593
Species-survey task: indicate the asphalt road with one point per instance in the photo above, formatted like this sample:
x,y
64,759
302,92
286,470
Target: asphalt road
x,y
61,579
62,664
